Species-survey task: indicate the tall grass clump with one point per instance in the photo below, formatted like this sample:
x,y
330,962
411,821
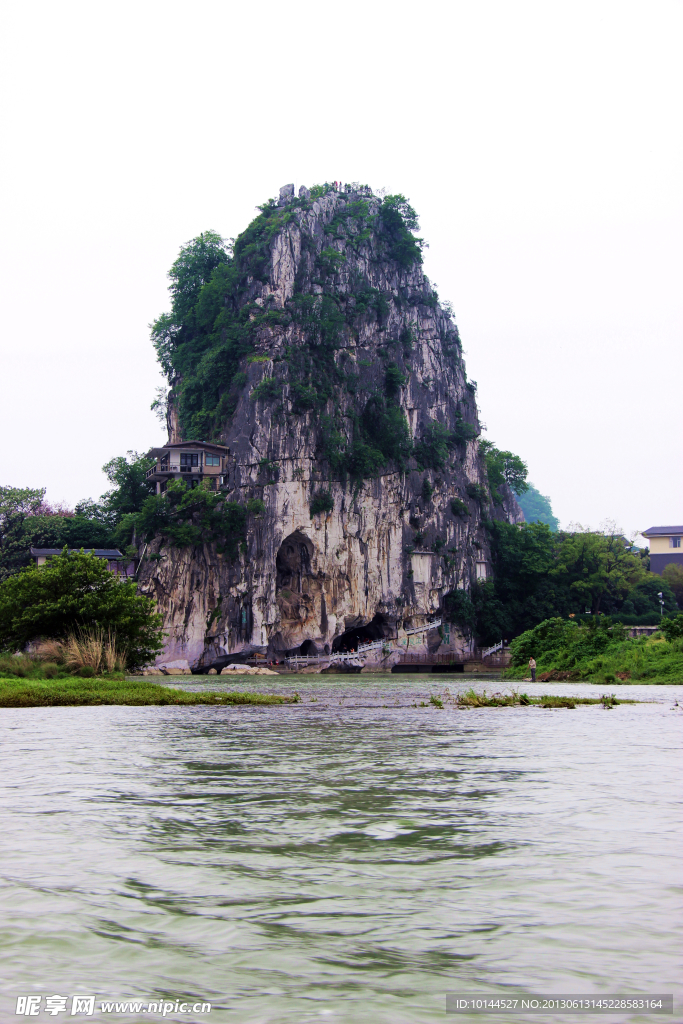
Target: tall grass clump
x,y
86,649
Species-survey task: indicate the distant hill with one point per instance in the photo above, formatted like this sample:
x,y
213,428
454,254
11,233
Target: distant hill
x,y
537,508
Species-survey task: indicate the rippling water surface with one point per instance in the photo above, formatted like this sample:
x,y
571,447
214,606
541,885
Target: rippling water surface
x,y
350,858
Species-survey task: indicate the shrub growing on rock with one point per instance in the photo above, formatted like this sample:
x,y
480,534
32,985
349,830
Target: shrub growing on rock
x,y
321,502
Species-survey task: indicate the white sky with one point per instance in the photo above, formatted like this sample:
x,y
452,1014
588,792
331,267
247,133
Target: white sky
x,y
540,143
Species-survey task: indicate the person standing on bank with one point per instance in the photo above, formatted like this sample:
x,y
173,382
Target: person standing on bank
x,y
532,666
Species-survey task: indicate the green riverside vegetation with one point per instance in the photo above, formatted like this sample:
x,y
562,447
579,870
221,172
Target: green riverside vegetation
x,y
75,692
599,651
72,592
473,699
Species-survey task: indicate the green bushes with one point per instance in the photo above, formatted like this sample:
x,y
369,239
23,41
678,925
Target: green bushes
x,y
673,577
427,490
601,651
477,493
384,426
75,592
539,574
381,436
537,508
431,451
462,433
458,608
268,388
672,628
256,507
503,468
27,521
407,338
322,501
210,328
437,442
330,260
187,516
398,220
304,397
459,508
394,380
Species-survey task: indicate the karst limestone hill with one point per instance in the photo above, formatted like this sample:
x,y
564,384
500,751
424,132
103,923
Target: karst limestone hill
x,y
318,352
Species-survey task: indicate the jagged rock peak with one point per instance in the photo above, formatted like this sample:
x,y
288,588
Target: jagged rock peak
x,y
319,354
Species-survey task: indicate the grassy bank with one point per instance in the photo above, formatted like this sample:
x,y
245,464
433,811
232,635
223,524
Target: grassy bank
x,y
605,655
16,692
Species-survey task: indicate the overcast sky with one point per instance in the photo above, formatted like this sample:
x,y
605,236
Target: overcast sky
x,y
540,143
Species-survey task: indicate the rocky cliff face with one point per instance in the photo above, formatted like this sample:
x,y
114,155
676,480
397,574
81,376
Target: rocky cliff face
x,y
353,395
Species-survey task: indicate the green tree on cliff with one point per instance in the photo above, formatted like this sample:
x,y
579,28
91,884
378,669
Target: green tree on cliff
x,y
503,468
188,275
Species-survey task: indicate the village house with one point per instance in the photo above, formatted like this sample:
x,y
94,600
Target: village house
x,y
117,562
666,546
191,461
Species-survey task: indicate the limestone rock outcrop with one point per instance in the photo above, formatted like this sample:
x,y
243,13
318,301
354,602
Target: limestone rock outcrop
x,y
393,541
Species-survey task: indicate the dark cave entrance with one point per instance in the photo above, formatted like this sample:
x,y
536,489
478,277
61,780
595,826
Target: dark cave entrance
x,y
293,562
349,640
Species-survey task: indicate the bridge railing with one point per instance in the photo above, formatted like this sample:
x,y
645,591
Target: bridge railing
x,y
423,629
488,651
376,645
296,660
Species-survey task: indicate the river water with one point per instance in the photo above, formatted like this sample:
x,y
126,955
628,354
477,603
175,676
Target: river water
x,y
351,858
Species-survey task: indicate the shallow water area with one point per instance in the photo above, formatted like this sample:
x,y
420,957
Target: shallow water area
x,y
352,857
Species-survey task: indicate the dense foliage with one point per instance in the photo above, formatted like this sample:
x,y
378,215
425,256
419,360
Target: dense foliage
x,y
186,516
27,520
398,221
434,448
673,577
322,501
77,591
539,575
599,650
672,628
503,468
210,333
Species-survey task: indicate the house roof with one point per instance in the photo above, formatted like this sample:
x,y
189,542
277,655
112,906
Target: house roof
x,y
97,552
176,445
662,531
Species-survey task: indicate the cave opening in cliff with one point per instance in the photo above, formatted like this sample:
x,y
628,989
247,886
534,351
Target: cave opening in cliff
x,y
378,629
293,561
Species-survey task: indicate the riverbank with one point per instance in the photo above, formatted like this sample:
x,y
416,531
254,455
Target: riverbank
x,y
16,692
565,652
